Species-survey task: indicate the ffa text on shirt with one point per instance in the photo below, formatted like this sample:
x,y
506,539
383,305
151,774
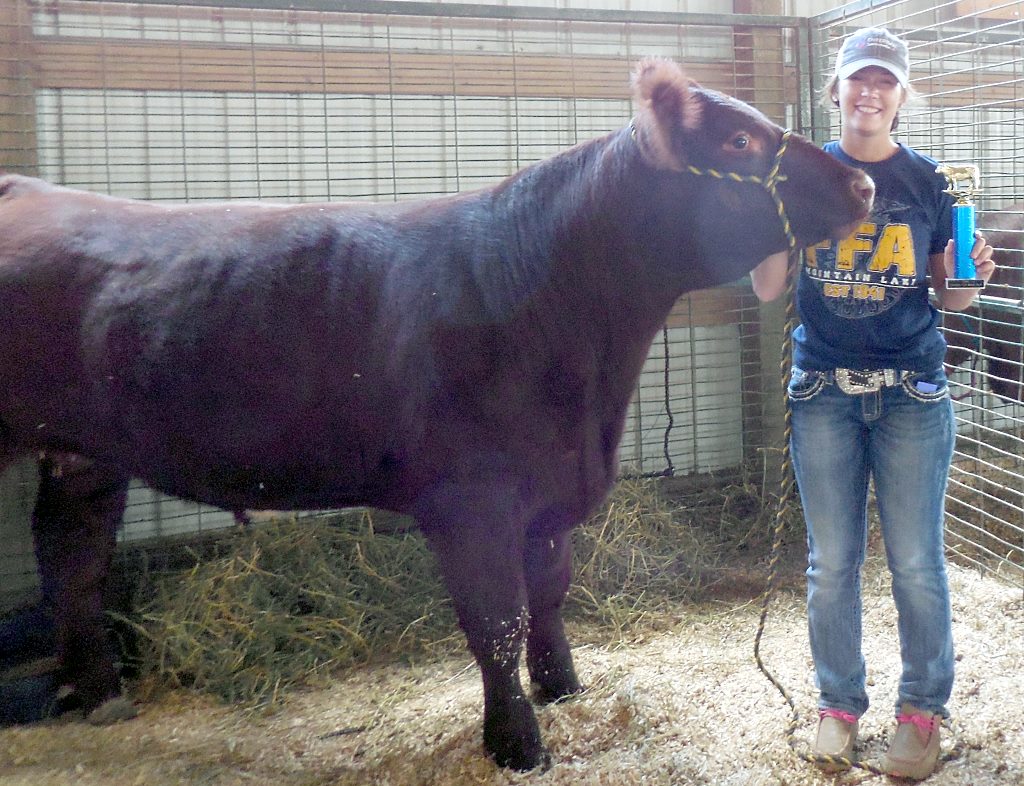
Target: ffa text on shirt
x,y
863,265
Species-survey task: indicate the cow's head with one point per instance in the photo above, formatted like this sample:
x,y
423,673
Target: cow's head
x,y
731,225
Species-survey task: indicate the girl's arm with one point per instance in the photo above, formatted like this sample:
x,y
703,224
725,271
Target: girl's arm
x,y
769,277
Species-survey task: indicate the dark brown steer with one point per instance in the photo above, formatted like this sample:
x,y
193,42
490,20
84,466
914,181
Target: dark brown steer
x,y
989,336
467,360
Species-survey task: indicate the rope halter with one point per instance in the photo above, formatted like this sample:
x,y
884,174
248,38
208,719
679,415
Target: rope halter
x,y
769,182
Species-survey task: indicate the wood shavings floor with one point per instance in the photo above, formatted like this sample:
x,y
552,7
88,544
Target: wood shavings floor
x,y
686,707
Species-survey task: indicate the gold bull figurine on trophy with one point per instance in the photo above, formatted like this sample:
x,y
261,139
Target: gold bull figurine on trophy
x,y
957,173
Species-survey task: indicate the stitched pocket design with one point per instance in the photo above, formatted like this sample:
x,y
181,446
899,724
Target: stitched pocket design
x,y
927,386
805,384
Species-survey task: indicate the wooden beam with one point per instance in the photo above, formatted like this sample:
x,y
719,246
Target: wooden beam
x,y
759,62
977,88
708,307
62,62
992,9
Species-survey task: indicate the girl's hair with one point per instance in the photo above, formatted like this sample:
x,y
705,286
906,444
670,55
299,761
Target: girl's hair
x,y
829,98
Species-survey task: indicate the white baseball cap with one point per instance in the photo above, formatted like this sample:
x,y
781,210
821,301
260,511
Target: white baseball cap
x,y
874,46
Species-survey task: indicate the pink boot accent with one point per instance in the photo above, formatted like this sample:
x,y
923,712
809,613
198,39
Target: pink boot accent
x,y
831,712
926,723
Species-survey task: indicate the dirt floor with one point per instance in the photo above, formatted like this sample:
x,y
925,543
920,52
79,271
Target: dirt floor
x,y
681,706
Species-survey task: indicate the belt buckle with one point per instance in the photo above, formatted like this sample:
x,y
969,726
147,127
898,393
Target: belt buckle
x,y
854,382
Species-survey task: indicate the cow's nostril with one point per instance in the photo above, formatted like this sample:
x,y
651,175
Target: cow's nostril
x,y
864,189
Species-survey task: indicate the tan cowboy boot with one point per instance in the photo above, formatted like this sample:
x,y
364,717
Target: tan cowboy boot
x,y
837,733
914,750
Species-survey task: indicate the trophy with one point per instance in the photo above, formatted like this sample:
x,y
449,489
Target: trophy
x,y
963,180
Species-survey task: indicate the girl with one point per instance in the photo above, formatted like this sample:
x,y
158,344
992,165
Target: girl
x,y
869,401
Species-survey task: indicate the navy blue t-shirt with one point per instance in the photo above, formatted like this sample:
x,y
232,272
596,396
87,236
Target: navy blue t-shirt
x,y
863,301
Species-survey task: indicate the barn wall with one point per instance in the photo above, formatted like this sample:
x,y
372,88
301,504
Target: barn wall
x,y
391,102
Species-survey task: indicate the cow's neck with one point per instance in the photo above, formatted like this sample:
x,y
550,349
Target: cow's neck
x,y
587,260
579,218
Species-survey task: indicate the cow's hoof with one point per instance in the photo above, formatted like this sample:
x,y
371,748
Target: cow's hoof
x,y
119,708
524,762
543,694
512,738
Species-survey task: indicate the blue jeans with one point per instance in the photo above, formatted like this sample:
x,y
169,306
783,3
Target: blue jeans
x,y
901,437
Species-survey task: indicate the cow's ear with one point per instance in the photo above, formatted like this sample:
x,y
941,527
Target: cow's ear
x,y
665,106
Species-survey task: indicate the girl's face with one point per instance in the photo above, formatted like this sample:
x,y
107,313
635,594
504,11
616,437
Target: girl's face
x,y
869,100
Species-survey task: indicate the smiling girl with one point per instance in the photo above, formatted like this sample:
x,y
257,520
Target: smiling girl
x,y
869,403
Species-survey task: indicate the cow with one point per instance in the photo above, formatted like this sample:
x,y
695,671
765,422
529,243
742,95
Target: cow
x,y
993,327
467,360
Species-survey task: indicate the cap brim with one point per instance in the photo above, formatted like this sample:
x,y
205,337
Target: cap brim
x,y
848,70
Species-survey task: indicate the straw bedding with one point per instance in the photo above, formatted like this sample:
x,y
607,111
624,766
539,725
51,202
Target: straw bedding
x,y
673,695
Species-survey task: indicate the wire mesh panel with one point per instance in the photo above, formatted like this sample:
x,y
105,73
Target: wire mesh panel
x,y
386,101
967,66
17,561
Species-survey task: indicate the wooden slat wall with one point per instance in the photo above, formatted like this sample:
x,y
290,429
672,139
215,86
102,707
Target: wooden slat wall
x,y
138,65
127,62
130,62
707,307
125,47
992,9
17,98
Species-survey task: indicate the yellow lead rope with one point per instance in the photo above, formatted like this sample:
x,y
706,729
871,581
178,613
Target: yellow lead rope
x,y
787,485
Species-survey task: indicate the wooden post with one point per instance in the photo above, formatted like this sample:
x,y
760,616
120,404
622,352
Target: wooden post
x,y
761,81
18,152
18,579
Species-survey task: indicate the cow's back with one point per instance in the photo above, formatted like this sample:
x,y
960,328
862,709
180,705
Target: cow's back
x,y
259,356
186,343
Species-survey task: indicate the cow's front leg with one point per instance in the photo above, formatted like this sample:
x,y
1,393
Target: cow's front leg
x,y
74,524
548,570
482,568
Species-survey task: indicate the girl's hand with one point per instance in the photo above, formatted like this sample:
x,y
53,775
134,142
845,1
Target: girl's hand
x,y
981,253
959,299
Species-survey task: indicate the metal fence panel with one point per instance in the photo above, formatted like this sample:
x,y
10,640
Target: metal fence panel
x,y
389,101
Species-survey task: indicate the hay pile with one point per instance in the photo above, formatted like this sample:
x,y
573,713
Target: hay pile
x,y
683,707
287,602
986,508
291,601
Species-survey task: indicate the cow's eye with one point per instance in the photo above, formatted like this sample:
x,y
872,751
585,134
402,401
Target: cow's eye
x,y
740,142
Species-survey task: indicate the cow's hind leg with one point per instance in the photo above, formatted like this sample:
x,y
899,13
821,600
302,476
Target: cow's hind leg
x,y
26,640
25,634
548,569
74,523
482,567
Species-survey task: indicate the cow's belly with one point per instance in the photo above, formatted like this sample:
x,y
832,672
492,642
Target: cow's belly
x,y
288,480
